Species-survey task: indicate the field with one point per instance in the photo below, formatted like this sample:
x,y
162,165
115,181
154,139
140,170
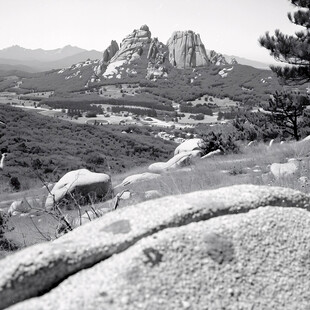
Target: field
x,y
251,166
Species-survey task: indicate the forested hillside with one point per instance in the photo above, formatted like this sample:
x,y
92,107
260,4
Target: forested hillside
x,y
50,147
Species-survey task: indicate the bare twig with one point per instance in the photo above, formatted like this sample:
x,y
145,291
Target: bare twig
x,y
39,231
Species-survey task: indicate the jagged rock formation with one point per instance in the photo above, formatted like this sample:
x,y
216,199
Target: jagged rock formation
x,y
157,57
133,45
108,54
110,51
233,61
217,58
215,249
186,50
131,48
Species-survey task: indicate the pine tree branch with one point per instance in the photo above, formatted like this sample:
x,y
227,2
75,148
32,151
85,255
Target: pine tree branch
x,y
301,3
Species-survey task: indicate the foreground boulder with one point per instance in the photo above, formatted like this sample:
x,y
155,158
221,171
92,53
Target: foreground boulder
x,y
240,247
80,182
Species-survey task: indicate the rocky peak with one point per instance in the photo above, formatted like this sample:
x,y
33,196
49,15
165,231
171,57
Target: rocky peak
x,y
186,50
217,58
157,55
110,51
233,61
132,45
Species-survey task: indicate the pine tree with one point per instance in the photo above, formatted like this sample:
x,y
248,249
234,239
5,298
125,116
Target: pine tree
x,y
292,49
288,108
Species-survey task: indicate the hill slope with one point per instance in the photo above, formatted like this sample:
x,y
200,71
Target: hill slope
x,y
57,146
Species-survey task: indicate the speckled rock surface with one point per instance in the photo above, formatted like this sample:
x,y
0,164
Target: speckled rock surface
x,y
186,50
203,250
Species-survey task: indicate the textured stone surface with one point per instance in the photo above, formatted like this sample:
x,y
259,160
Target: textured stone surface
x,y
136,178
217,58
133,44
81,181
110,51
182,159
186,50
284,170
190,145
258,259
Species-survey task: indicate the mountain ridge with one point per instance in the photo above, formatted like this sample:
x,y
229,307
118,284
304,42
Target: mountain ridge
x,y
39,60
61,58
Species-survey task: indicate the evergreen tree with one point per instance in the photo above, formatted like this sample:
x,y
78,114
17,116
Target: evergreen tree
x,y
288,108
292,49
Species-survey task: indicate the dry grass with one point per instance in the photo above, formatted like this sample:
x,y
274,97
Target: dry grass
x,y
249,167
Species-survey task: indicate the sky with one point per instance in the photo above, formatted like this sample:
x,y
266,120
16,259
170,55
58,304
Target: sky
x,y
227,26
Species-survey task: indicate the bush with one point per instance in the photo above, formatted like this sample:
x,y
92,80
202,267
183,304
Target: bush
x,y
217,141
14,182
5,244
91,114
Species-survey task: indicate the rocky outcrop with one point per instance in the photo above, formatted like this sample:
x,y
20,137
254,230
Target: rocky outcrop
x,y
80,183
233,61
180,160
217,58
131,48
186,50
210,249
109,53
133,45
137,178
190,145
157,56
285,169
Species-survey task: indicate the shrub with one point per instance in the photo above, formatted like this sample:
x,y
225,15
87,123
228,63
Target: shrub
x,y
15,184
218,141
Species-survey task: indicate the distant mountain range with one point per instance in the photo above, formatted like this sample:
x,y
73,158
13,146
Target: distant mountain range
x,y
39,60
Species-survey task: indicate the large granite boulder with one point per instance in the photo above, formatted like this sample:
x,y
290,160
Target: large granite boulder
x,y
283,170
186,50
240,247
190,145
83,183
138,178
177,161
